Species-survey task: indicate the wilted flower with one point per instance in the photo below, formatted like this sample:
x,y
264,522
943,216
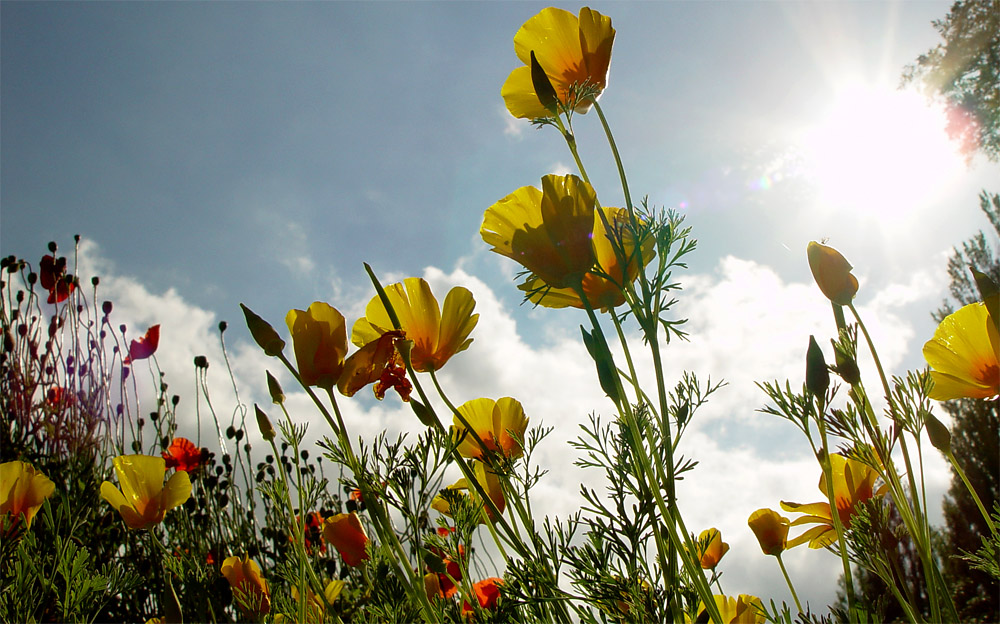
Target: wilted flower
x,y
963,355
832,273
377,362
490,483
146,500
144,346
549,231
436,334
711,548
487,593
499,424
22,492
573,52
771,530
250,588
345,532
603,285
853,484
182,454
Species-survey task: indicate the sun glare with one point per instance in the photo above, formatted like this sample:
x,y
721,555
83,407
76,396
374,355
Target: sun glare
x,y
882,153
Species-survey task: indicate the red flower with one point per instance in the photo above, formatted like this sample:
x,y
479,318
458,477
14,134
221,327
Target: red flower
x,y
345,532
142,348
447,587
487,593
52,274
58,398
313,531
183,455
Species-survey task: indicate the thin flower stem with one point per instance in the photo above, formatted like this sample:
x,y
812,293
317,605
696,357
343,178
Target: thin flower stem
x,y
831,495
972,491
788,580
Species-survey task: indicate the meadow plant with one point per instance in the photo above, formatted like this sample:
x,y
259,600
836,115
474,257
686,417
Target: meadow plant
x,y
109,515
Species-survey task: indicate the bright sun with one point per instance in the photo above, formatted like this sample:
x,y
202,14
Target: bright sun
x,y
881,153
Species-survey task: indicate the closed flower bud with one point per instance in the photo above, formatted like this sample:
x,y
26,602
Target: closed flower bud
x,y
262,332
939,435
264,423
832,273
817,375
277,394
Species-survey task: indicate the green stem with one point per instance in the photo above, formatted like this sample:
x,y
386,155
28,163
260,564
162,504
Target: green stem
x,y
972,491
788,580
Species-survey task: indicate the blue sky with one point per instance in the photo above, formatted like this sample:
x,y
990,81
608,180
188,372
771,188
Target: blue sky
x,y
213,153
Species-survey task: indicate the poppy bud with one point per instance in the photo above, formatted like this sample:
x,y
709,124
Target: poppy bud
x,y
939,435
264,423
277,394
817,375
832,273
263,334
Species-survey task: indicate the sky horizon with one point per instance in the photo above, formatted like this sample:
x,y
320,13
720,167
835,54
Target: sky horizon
x,y
217,153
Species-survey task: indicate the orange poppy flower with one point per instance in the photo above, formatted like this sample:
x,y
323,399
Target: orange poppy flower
x,y
853,484
963,355
499,424
22,492
832,273
319,335
771,530
487,593
711,548
144,500
250,588
345,532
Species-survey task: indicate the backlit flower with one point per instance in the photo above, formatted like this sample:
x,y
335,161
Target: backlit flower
x,y
832,273
52,275
490,483
711,548
853,484
573,51
963,355
182,454
22,492
549,231
436,334
248,585
315,607
771,530
345,532
377,362
487,593
312,531
144,500
144,346
319,336
499,424
604,284
745,609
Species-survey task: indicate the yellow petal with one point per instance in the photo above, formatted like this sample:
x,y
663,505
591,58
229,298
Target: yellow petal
x,y
518,93
457,322
177,490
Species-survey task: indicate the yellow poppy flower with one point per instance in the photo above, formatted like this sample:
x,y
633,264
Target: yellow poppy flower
x,y
602,292
745,609
832,273
436,334
252,594
499,424
711,548
549,231
963,355
345,532
319,335
315,608
490,483
143,500
22,492
771,530
571,50
853,484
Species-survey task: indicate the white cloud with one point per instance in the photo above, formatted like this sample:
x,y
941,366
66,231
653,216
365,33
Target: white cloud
x,y
746,325
513,127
